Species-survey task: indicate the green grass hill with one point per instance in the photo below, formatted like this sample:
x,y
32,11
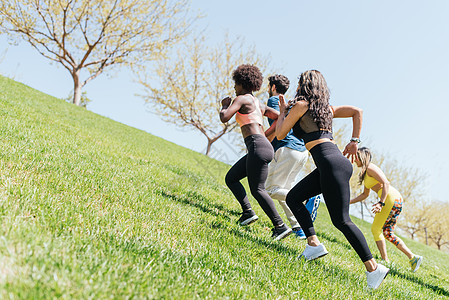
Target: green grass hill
x,y
94,209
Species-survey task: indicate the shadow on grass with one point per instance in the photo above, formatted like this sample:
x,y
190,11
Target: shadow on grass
x,y
218,210
419,281
217,206
333,239
203,204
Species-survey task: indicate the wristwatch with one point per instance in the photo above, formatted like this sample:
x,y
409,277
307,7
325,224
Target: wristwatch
x,y
354,139
381,203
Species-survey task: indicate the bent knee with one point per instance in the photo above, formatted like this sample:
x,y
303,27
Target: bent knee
x,y
389,236
229,180
342,225
290,200
377,233
257,194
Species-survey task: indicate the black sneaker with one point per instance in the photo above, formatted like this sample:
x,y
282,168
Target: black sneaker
x,y
280,232
248,217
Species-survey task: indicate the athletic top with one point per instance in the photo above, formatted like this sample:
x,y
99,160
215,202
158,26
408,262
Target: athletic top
x,y
252,117
290,141
308,130
369,182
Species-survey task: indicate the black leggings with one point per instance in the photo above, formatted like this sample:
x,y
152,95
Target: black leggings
x,y
254,165
331,177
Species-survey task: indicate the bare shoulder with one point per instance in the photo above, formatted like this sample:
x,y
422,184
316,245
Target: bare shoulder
x,y
246,103
374,170
240,99
300,107
372,166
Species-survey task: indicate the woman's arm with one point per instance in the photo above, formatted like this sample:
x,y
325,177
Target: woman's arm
x,y
360,197
270,133
270,112
229,109
347,111
376,172
286,123
273,114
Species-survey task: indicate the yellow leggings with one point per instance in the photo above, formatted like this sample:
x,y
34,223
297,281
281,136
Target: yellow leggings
x,y
385,221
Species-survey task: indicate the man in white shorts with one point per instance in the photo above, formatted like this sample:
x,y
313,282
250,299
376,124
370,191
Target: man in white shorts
x,y
289,157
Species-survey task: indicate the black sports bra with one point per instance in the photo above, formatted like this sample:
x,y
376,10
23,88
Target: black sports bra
x,y
308,130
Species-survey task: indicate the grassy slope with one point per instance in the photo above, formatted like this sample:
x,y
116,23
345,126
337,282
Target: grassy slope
x,y
91,208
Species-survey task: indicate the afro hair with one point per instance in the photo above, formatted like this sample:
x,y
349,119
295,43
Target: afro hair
x,y
248,76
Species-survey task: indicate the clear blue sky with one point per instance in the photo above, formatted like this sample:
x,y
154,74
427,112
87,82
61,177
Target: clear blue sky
x,y
388,57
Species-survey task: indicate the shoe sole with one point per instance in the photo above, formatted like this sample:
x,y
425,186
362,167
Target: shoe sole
x,y
418,264
283,235
313,258
381,280
249,221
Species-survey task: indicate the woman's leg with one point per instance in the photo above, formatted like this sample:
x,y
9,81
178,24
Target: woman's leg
x,y
382,249
232,179
335,172
404,249
377,226
257,171
390,224
308,187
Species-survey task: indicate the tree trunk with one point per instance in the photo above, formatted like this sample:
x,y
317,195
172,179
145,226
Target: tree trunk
x,y
209,146
361,209
210,141
76,88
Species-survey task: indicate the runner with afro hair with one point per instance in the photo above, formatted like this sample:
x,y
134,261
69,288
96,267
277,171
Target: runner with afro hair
x,y
249,114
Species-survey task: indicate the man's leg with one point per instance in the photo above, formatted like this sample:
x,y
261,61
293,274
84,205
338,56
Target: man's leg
x,y
283,176
276,177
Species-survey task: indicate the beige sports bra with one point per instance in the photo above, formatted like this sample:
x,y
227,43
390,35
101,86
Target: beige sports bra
x,y
253,117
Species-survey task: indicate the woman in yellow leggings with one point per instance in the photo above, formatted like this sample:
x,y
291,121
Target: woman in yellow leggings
x,y
387,210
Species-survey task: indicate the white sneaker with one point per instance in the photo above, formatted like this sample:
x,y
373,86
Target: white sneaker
x,y
313,252
376,277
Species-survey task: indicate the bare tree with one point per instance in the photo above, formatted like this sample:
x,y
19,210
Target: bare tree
x,y
89,36
438,225
187,89
416,217
407,180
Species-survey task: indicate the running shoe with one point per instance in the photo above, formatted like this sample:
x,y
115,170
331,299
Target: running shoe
x,y
299,233
248,217
313,252
281,232
415,262
312,206
375,278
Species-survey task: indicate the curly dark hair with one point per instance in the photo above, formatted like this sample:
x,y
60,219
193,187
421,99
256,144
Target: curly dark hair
x,y
312,87
280,82
248,76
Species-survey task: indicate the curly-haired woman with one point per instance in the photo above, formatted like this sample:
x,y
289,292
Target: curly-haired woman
x,y
249,113
310,117
387,210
